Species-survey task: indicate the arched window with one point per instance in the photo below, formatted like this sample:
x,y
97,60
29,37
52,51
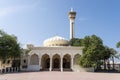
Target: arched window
x,y
76,59
45,61
56,61
66,61
34,60
24,61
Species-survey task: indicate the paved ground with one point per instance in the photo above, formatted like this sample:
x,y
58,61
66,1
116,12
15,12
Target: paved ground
x,y
60,76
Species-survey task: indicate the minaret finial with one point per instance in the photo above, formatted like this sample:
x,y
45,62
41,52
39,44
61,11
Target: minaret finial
x,y
72,9
72,15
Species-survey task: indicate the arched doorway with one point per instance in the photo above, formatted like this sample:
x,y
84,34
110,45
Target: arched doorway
x,y
66,62
76,59
34,60
56,62
45,61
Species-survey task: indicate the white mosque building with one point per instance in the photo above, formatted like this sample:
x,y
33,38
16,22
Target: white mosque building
x,y
54,55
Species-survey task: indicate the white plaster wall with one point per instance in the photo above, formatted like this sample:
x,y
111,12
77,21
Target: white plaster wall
x,y
5,65
51,51
0,65
56,50
33,68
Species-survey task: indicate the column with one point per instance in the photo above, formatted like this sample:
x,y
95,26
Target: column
x,y
50,69
17,69
11,69
8,69
72,63
0,71
4,70
28,60
61,64
21,62
40,62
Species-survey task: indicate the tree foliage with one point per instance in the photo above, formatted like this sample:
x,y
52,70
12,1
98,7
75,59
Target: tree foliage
x,y
9,47
94,50
75,42
118,45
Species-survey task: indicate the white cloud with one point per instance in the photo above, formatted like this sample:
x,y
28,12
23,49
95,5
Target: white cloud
x,y
6,11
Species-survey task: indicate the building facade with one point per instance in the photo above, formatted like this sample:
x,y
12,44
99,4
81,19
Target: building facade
x,y
60,58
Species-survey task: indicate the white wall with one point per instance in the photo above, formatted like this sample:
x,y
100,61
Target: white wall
x,y
33,68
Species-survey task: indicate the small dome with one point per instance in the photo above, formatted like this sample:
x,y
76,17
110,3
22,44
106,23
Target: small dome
x,y
55,41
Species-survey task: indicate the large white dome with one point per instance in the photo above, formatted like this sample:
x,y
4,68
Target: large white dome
x,y
55,41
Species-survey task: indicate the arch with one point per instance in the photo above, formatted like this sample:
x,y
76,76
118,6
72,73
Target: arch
x,y
67,61
56,62
45,61
34,60
76,58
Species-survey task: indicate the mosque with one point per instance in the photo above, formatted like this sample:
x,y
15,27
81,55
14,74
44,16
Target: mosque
x,y
54,55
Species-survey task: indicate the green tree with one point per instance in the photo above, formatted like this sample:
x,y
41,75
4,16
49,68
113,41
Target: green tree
x,y
9,46
75,42
93,52
118,45
113,55
106,55
3,48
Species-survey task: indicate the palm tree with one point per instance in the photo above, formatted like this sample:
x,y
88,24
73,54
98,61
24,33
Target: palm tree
x,y
118,46
113,55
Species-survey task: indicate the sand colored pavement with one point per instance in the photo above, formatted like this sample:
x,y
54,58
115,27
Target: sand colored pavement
x,y
60,76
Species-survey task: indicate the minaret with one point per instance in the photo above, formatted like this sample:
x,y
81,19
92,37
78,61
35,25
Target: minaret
x,y
72,15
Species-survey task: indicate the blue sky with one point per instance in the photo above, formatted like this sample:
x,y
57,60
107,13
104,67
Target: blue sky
x,y
33,21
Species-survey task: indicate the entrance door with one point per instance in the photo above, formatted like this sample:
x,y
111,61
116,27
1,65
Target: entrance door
x,y
56,63
45,62
67,62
